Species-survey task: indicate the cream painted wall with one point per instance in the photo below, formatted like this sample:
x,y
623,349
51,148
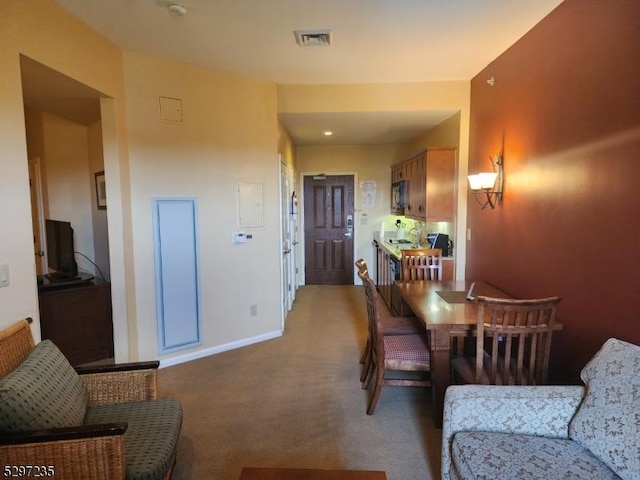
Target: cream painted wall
x,y
374,97
371,162
286,148
100,224
67,176
228,133
447,134
45,32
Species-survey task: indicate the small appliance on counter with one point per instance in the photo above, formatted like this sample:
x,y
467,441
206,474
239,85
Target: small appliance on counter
x,y
439,240
400,228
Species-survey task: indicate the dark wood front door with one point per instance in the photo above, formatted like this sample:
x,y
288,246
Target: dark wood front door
x,y
328,229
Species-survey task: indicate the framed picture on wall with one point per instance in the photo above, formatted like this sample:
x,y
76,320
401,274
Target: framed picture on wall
x,y
101,191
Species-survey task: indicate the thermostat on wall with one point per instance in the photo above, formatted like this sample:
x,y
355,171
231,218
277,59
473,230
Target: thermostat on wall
x,y
241,237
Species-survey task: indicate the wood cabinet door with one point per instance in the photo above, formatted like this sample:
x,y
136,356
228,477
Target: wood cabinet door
x,y
416,194
396,173
440,188
419,171
409,193
78,321
447,270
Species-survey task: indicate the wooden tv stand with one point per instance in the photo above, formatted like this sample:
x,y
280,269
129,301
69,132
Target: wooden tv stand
x,y
76,316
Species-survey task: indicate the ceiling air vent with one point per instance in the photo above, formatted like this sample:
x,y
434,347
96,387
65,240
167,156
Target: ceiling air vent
x,y
313,38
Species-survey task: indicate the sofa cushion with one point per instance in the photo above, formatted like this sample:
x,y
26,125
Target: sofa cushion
x,y
151,436
608,421
508,456
43,392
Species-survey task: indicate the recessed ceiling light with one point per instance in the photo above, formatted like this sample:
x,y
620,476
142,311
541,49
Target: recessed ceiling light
x,y
328,133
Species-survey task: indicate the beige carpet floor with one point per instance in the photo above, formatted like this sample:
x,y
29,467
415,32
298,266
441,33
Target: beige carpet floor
x,y
296,402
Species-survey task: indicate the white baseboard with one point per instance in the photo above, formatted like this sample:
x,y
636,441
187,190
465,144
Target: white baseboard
x,y
187,357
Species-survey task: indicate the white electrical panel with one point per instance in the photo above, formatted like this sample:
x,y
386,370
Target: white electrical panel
x,y
250,204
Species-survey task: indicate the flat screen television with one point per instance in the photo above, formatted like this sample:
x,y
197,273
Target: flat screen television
x,y
60,252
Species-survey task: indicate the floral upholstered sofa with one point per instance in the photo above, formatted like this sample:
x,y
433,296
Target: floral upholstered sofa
x,y
549,432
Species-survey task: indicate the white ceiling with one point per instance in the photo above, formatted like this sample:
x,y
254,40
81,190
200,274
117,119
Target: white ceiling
x,y
374,41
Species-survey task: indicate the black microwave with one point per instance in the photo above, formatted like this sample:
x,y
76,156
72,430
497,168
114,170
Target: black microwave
x,y
398,197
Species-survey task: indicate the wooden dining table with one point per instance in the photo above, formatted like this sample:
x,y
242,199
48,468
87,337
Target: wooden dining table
x,y
444,319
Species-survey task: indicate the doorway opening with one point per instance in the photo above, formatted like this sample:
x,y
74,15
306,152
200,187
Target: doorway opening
x,y
65,147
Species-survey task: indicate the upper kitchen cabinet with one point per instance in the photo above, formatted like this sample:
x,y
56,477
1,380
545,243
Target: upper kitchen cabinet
x,y
431,184
416,198
441,184
399,172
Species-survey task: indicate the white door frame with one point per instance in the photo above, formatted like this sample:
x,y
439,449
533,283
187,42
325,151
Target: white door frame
x,y
37,213
294,241
285,241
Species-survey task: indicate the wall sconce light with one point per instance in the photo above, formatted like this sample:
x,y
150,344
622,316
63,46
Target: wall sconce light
x,y
487,186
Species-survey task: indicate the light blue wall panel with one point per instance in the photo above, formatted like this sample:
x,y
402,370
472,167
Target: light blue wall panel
x,y
177,276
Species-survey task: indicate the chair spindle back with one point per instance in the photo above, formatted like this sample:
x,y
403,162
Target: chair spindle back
x,y
516,334
423,264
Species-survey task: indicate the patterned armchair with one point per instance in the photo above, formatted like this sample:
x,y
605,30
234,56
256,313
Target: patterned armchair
x,y
549,432
102,423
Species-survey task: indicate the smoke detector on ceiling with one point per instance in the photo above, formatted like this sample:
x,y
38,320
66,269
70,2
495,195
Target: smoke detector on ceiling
x,y
177,9
314,38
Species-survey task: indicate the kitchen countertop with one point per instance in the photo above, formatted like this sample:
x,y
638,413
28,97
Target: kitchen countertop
x,y
394,249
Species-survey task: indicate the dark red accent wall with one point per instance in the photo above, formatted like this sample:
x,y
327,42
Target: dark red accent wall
x,y
565,108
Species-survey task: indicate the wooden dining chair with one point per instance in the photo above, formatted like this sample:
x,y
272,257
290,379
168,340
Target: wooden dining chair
x,y
389,353
362,266
513,343
421,264
390,325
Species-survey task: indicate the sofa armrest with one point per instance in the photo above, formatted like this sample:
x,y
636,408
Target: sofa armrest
x,y
86,451
111,384
532,410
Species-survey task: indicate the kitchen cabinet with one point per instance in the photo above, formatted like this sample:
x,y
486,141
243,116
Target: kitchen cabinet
x,y
431,179
399,172
415,207
440,189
